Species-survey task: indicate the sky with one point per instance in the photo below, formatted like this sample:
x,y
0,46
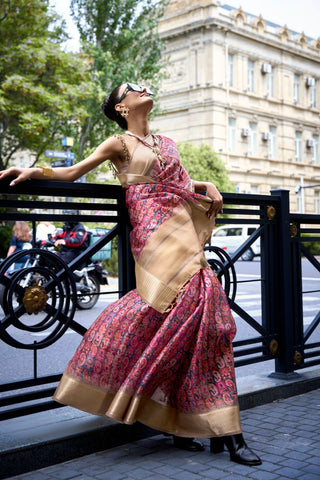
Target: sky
x,y
298,15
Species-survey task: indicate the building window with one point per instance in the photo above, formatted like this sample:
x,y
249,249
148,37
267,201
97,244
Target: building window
x,y
298,147
272,142
315,150
230,70
250,76
296,89
252,140
313,94
22,162
270,89
232,135
317,201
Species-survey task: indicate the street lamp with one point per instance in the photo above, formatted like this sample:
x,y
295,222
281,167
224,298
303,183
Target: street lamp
x,y
300,190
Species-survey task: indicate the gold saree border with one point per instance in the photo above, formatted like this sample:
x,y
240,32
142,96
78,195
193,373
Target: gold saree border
x,y
172,255
128,409
153,291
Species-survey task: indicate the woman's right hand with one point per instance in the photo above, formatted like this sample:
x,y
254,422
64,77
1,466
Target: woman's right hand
x,y
21,174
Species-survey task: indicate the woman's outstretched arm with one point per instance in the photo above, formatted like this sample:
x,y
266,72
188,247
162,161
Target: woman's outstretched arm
x,y
110,149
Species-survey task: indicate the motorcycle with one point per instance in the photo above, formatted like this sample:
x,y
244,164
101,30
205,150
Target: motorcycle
x,y
87,279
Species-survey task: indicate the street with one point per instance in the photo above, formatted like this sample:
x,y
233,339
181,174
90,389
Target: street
x,y
17,364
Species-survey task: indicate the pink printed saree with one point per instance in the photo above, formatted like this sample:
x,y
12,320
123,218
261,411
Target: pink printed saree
x,y
162,354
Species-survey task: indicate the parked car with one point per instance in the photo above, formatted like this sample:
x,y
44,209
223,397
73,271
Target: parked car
x,y
231,237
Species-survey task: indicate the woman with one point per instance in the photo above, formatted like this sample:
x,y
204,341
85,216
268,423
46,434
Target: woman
x,y
162,354
20,239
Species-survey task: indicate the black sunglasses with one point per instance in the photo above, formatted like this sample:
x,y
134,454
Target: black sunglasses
x,y
134,88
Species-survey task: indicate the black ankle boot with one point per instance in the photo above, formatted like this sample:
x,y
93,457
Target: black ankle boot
x,y
189,444
239,451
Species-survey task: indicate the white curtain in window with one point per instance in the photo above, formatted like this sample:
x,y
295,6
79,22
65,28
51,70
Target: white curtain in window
x,y
250,76
272,142
252,138
315,150
298,146
270,91
232,134
230,64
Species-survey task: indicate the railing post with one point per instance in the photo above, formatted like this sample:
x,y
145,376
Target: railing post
x,y
126,271
284,364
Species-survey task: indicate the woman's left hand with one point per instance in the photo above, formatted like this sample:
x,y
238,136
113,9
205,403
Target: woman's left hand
x,y
213,193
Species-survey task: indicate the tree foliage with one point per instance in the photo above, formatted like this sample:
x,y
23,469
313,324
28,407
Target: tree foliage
x,y
42,88
46,93
121,39
5,236
203,164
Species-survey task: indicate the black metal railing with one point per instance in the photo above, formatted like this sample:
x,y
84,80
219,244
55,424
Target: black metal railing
x,y
275,331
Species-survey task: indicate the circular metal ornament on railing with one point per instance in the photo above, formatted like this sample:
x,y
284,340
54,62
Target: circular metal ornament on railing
x,y
223,267
38,300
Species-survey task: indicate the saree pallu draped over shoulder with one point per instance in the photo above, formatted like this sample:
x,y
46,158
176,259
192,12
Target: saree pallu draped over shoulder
x,y
162,354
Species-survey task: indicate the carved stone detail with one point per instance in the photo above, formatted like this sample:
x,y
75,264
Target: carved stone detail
x,y
302,39
284,34
177,70
239,17
259,24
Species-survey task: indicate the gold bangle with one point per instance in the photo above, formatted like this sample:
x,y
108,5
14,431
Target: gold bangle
x,y
46,171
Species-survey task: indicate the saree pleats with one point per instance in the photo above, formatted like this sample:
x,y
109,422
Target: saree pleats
x,y
173,372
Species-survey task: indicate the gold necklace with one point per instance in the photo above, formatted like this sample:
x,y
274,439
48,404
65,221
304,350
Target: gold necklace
x,y
156,150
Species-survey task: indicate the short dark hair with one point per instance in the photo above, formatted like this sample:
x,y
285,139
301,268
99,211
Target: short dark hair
x,y
108,108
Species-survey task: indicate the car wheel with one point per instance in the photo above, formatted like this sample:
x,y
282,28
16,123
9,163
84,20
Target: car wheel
x,y
248,255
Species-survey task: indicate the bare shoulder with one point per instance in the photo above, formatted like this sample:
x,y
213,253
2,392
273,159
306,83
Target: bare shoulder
x,y
111,143
111,148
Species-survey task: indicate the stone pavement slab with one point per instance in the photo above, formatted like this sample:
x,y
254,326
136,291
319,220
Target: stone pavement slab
x,y
285,433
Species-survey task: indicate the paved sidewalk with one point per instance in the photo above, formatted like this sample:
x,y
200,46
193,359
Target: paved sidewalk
x,y
285,433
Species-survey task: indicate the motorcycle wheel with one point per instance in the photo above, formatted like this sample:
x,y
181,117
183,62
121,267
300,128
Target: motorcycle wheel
x,y
248,255
2,296
88,300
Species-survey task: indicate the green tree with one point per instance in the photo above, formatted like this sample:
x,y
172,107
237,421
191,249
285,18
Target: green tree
x,y
42,88
203,164
121,39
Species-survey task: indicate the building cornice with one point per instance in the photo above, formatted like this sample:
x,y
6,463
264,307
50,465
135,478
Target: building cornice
x,y
228,27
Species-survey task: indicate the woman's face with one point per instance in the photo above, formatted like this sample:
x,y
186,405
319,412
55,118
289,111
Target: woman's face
x,y
135,100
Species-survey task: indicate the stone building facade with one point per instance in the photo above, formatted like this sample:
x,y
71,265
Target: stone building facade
x,y
251,90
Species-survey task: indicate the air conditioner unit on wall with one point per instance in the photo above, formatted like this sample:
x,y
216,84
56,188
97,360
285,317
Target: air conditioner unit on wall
x,y
266,68
310,82
244,132
265,136
309,143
